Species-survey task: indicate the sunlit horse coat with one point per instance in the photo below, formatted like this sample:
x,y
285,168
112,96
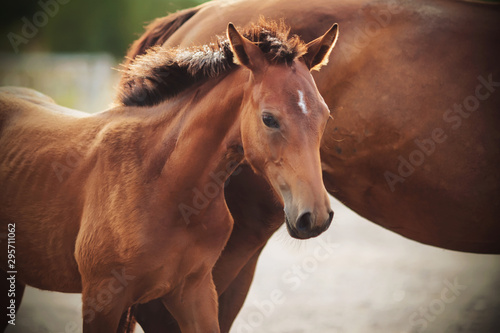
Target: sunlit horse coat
x,y
414,90
108,204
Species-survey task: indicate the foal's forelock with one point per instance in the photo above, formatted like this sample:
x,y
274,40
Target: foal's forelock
x,y
162,73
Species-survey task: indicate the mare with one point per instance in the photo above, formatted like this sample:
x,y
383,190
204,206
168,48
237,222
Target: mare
x,y
414,88
127,205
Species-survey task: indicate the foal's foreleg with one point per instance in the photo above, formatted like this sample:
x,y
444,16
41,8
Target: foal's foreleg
x,y
195,307
103,304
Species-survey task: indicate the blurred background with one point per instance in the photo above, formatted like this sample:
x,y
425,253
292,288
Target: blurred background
x,y
67,48
357,277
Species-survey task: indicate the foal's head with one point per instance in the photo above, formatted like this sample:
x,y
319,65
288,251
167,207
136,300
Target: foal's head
x,y
283,120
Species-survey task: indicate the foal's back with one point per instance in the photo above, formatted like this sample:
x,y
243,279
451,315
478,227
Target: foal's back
x,y
43,152
38,138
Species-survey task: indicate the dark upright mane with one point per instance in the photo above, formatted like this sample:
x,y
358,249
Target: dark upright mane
x,y
162,73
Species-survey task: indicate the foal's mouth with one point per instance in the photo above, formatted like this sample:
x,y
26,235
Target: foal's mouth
x,y
292,231
305,228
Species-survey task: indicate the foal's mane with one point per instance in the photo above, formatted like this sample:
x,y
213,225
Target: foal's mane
x,y
162,73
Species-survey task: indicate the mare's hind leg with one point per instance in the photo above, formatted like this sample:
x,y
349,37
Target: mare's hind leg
x,y
195,306
10,292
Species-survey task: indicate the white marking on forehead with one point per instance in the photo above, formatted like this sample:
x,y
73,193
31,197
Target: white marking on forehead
x,y
302,102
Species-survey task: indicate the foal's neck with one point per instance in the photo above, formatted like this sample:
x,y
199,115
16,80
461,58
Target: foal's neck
x,y
204,134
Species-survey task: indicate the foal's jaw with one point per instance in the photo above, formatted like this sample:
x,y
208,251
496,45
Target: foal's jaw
x,y
305,200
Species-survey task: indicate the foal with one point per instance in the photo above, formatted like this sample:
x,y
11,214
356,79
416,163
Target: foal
x,y
127,205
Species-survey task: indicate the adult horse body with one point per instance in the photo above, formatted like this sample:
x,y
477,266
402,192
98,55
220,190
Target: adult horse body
x,y
414,89
106,205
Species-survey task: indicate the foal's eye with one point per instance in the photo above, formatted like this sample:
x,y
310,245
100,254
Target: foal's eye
x,y
270,121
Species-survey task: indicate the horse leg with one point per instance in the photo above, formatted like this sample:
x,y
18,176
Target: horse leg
x,y
231,300
103,306
127,321
256,217
195,306
154,317
11,294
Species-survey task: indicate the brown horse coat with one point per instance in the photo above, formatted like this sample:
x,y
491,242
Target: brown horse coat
x,y
127,205
414,89
405,74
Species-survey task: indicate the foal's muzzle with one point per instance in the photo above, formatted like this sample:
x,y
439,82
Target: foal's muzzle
x,y
308,226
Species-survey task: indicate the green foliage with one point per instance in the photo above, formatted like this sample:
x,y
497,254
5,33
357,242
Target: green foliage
x,y
83,25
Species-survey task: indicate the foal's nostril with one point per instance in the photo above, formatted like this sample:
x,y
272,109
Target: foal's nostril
x,y
330,218
304,222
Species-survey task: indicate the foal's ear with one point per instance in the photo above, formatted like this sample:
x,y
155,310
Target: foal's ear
x,y
319,49
245,52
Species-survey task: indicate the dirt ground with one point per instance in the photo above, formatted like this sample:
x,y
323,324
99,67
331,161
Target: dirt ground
x,y
356,277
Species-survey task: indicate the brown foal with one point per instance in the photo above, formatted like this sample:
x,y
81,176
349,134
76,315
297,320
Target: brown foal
x,y
127,205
